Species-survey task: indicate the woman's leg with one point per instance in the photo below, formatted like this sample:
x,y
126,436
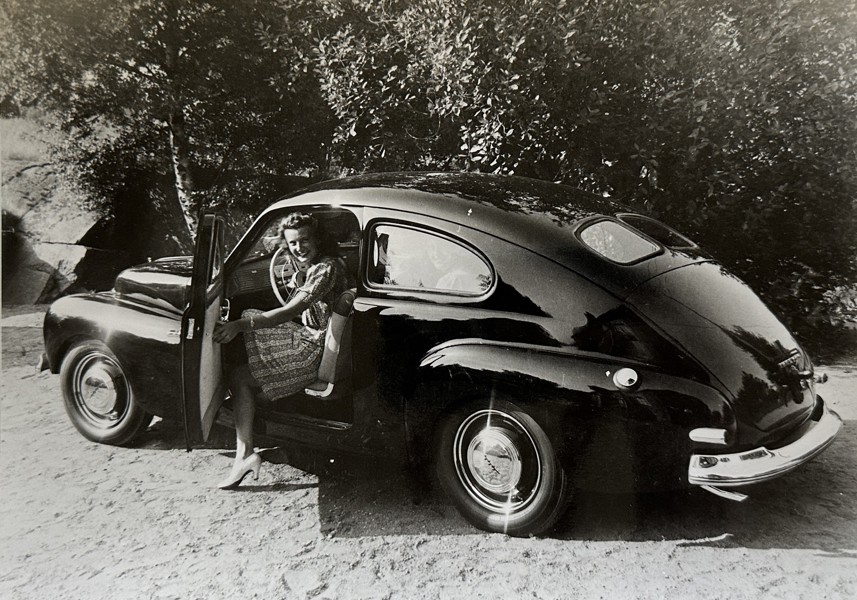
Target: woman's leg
x,y
246,460
243,398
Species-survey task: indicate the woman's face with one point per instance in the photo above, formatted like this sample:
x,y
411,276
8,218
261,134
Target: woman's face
x,y
302,245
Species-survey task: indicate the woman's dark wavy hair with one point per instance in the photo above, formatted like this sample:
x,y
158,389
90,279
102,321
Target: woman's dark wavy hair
x,y
326,245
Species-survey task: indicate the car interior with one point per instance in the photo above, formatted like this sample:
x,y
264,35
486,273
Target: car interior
x,y
259,281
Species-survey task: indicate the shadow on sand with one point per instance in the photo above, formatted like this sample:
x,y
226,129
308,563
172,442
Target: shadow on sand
x,y
813,507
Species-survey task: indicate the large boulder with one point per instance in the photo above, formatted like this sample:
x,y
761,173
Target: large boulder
x,y
43,227
25,275
55,214
46,271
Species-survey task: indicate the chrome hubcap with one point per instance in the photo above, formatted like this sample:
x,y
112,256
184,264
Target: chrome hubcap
x,y
497,461
494,461
100,390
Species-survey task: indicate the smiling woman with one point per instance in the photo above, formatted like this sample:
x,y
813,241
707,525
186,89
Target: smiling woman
x,y
283,355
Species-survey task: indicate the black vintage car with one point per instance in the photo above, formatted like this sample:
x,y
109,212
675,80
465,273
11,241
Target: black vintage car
x,y
521,337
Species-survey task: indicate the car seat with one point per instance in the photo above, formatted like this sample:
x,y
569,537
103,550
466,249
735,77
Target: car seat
x,y
336,356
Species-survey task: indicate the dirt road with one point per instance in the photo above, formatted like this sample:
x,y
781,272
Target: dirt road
x,y
79,520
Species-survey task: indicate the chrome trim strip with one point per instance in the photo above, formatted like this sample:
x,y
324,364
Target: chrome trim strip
x,y
324,392
762,464
561,351
736,496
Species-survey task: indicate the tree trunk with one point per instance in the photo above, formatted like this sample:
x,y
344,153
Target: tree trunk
x,y
180,151
179,142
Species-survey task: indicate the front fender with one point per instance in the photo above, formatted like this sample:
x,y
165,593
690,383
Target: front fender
x,y
607,436
144,338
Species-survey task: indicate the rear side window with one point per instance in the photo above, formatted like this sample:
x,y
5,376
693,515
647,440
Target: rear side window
x,y
617,242
409,258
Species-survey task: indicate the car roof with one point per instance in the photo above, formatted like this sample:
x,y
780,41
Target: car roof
x,y
509,194
538,215
518,209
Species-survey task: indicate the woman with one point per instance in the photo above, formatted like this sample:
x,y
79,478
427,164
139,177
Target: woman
x,y
283,355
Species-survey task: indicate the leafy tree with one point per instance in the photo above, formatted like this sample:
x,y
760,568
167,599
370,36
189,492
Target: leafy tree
x,y
736,122
170,87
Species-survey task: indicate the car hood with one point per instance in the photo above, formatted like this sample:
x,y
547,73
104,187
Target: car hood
x,y
163,282
720,321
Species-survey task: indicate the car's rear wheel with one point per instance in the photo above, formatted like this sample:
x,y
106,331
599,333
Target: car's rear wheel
x,y
499,468
98,398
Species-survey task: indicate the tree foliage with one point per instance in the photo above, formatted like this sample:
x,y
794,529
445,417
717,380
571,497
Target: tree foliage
x,y
736,122
155,89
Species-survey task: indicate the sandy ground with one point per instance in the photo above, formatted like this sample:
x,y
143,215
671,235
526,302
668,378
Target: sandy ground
x,y
79,520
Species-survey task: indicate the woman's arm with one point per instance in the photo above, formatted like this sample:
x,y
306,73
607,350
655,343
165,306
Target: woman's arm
x,y
226,332
276,316
320,279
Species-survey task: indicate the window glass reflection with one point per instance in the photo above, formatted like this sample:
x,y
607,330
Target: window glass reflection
x,y
414,259
617,242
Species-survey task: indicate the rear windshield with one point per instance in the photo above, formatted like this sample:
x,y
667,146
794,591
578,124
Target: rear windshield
x,y
657,231
617,242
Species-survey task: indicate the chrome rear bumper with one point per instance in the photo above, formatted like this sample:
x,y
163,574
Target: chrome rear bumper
x,y
761,464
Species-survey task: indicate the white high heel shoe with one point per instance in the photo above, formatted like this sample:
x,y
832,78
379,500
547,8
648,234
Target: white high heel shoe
x,y
239,471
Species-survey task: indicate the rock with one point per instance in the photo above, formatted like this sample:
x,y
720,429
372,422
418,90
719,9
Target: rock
x,y
45,271
43,208
43,227
59,218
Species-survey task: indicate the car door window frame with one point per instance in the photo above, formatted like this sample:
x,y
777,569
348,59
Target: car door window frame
x,y
243,255
422,292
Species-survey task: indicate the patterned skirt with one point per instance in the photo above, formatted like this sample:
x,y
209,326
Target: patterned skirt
x,y
282,359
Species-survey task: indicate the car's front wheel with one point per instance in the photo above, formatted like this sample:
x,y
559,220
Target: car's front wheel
x,y
499,468
98,398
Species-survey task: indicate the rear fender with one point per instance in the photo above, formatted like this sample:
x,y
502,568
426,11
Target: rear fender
x,y
552,387
590,420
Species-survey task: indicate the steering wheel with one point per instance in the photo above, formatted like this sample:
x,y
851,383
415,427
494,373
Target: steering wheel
x,y
278,265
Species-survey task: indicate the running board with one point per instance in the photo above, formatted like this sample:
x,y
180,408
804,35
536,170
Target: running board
x,y
225,418
305,421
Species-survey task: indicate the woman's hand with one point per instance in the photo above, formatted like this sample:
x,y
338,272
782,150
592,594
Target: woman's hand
x,y
226,332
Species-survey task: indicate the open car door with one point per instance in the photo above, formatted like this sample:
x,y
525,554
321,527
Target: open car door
x,y
202,373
